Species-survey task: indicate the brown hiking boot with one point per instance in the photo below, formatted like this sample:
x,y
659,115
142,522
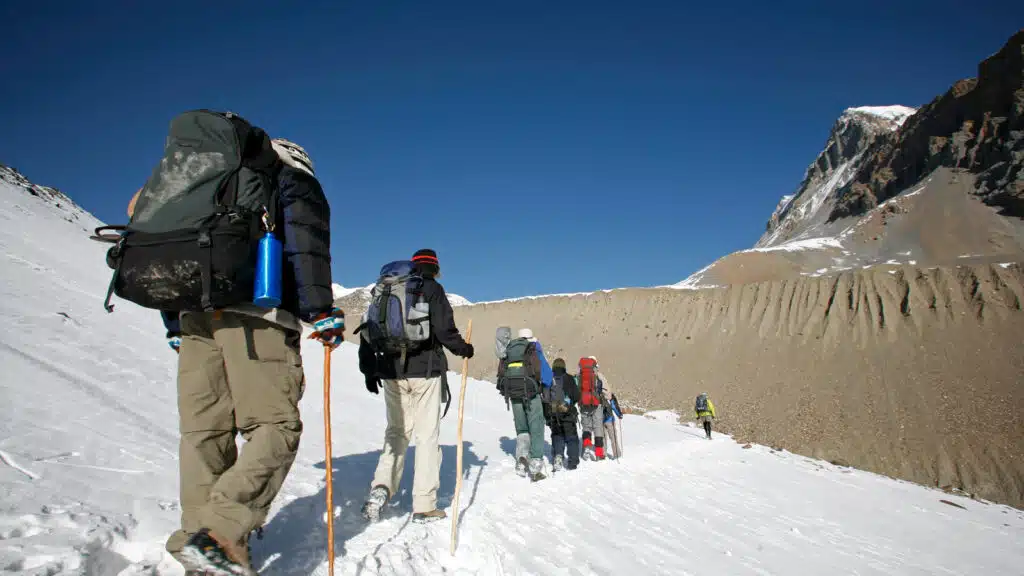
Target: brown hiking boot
x,y
207,553
428,517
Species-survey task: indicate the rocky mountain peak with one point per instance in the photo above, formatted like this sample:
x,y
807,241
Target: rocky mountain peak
x,y
851,135
977,126
57,200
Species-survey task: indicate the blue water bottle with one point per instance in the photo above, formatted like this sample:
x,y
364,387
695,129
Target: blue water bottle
x,y
267,292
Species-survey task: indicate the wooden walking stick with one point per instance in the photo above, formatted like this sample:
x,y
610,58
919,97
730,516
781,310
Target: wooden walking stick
x,y
329,461
458,449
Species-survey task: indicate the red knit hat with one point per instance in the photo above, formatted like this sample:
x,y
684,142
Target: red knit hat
x,y
427,258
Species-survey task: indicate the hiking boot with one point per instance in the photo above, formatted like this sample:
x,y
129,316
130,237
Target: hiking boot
x,y
588,454
558,465
375,502
537,469
209,555
428,517
521,467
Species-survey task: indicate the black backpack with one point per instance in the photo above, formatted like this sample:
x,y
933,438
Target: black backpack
x,y
191,242
556,397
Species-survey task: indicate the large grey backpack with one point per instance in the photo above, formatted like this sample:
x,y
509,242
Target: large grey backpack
x,y
191,242
398,317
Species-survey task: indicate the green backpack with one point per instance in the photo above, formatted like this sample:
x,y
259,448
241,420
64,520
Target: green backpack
x,y
517,382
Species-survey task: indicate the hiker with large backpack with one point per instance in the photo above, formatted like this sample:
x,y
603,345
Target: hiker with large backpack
x,y
560,401
521,380
223,199
402,333
705,411
593,387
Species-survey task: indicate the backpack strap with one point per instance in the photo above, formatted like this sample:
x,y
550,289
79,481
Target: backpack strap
x,y
114,261
206,265
446,392
110,292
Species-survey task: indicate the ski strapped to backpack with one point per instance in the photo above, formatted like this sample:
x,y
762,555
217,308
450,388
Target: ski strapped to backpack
x,y
590,385
502,336
191,241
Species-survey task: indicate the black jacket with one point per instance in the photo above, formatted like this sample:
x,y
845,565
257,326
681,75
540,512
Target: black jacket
x,y
428,361
305,222
572,390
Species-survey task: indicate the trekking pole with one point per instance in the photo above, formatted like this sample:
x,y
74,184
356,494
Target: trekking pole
x,y
329,462
458,449
619,438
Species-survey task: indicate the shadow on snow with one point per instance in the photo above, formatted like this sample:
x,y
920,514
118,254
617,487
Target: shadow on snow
x,y
294,540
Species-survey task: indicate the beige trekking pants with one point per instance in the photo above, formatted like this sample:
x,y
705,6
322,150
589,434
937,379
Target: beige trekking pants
x,y
237,374
414,413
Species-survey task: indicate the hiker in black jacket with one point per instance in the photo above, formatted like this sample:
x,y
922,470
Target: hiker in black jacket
x,y
413,392
561,415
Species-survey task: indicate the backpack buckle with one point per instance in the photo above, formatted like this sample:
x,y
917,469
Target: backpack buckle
x,y
204,239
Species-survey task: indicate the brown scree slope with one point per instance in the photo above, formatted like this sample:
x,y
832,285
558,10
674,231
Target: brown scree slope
x,y
914,374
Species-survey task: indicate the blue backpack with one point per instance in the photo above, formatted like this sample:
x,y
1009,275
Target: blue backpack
x,y
398,318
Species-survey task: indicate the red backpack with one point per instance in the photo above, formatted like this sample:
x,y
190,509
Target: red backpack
x,y
590,386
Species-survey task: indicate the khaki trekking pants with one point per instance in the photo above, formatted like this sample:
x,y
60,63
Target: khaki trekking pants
x,y
243,375
414,413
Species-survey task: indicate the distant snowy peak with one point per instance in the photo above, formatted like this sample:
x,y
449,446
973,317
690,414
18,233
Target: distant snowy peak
x,y
360,297
457,300
798,214
341,292
56,200
897,114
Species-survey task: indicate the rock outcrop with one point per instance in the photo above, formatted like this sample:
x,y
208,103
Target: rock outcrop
x,y
977,126
852,134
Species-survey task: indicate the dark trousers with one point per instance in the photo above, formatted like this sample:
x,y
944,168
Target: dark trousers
x,y
565,439
707,427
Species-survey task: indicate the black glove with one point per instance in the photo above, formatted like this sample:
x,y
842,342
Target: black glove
x,y
467,352
373,384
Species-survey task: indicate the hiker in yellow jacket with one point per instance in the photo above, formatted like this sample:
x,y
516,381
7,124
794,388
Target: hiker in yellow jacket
x,y
705,411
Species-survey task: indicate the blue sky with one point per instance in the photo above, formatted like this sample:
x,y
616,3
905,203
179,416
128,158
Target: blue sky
x,y
539,147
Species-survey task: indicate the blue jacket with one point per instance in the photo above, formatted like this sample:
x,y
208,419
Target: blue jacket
x,y
546,374
613,411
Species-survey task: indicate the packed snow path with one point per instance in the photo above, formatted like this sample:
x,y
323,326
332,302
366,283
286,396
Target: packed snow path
x,y
88,467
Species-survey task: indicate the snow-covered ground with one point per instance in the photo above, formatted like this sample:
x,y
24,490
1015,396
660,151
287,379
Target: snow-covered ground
x,y
88,467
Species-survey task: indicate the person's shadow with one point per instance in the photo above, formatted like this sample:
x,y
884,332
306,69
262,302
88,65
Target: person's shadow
x,y
295,539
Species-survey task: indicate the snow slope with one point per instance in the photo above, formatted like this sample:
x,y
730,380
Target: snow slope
x,y
88,476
